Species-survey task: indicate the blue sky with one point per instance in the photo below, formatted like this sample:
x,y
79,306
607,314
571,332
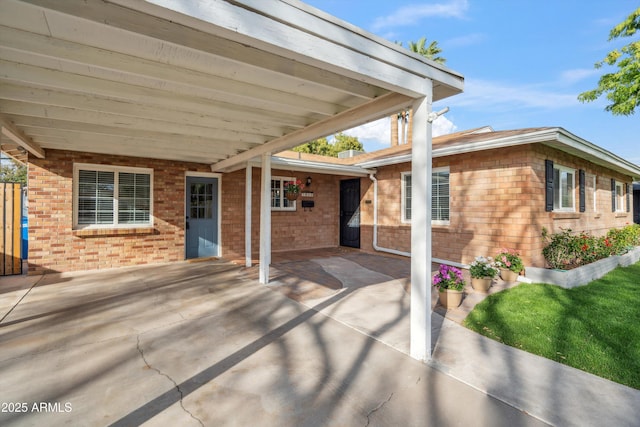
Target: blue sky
x,y
524,62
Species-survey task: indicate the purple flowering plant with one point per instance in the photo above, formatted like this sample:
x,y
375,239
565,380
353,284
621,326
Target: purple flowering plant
x,y
448,278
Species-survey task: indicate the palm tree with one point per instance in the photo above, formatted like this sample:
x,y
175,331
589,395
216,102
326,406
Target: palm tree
x,y
406,117
429,52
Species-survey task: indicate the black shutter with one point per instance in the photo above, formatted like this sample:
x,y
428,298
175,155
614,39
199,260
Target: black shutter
x,y
548,189
582,180
627,192
613,195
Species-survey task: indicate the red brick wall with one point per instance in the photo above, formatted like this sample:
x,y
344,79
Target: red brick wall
x,y
597,221
497,201
55,246
290,230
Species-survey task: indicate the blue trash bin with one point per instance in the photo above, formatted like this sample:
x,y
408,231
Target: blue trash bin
x,y
25,237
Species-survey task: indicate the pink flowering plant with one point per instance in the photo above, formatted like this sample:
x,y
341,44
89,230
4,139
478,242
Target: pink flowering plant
x,y
448,278
293,186
483,267
510,259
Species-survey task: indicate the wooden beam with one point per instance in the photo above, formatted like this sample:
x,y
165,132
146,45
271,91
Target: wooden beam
x,y
46,127
145,29
166,113
62,81
16,135
370,111
120,121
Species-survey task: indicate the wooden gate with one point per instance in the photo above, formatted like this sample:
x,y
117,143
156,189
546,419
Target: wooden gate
x,y
10,236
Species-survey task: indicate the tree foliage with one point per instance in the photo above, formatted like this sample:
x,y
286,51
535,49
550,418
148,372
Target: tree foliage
x,y
346,142
622,87
323,147
12,171
430,52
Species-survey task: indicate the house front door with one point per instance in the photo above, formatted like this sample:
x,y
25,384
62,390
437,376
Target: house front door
x,y
350,213
202,239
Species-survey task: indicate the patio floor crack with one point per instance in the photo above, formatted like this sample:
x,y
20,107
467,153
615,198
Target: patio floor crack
x,y
144,359
377,408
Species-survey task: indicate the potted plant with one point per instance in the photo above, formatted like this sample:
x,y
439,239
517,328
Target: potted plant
x,y
292,189
450,283
483,271
510,265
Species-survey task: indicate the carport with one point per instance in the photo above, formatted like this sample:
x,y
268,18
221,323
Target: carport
x,y
216,82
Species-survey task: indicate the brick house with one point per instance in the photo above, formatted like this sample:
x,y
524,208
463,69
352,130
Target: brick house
x,y
489,193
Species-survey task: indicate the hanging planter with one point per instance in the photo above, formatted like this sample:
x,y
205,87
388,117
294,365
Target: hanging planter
x,y
292,189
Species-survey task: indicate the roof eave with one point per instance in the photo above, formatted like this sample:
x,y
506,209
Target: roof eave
x,y
555,137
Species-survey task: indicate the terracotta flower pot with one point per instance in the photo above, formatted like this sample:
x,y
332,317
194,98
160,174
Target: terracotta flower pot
x,y
508,275
481,284
450,298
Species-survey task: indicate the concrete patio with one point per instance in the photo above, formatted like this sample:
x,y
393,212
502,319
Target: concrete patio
x,y
204,344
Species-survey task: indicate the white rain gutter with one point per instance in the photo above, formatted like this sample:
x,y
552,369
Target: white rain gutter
x,y
375,223
395,251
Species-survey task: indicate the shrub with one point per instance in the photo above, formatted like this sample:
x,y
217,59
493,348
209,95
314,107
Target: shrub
x,y
624,239
567,250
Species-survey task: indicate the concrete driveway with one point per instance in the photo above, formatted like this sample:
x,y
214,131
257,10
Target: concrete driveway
x,y
201,344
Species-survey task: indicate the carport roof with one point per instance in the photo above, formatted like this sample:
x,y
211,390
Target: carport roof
x,y
208,81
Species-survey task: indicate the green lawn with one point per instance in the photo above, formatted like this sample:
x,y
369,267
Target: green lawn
x,y
595,327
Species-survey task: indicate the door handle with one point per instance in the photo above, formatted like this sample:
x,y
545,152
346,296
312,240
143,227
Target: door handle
x,y
187,224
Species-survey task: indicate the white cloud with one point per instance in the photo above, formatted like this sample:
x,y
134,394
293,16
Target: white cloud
x,y
488,95
577,74
377,135
414,13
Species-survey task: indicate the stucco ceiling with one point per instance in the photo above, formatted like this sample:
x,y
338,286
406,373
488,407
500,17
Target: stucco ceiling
x,y
207,81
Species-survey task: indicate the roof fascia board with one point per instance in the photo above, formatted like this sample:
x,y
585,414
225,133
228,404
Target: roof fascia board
x,y
545,136
468,148
570,140
276,33
317,167
340,32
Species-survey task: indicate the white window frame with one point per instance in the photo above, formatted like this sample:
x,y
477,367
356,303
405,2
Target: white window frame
x,y
620,197
595,193
292,205
116,170
443,222
403,217
558,188
403,199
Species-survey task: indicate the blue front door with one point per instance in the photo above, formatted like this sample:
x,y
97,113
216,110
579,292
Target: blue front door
x,y
201,224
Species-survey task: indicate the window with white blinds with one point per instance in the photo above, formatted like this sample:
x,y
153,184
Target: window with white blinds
x,y
439,196
112,196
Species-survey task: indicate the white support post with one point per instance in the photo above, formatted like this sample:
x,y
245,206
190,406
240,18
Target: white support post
x,y
247,216
265,219
421,228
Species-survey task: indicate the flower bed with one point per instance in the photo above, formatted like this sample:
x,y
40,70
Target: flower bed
x,y
566,250
582,275
577,259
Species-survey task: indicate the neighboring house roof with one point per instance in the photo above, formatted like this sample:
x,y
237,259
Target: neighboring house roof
x,y
470,141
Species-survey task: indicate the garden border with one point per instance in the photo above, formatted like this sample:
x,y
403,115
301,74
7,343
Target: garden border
x,y
582,275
